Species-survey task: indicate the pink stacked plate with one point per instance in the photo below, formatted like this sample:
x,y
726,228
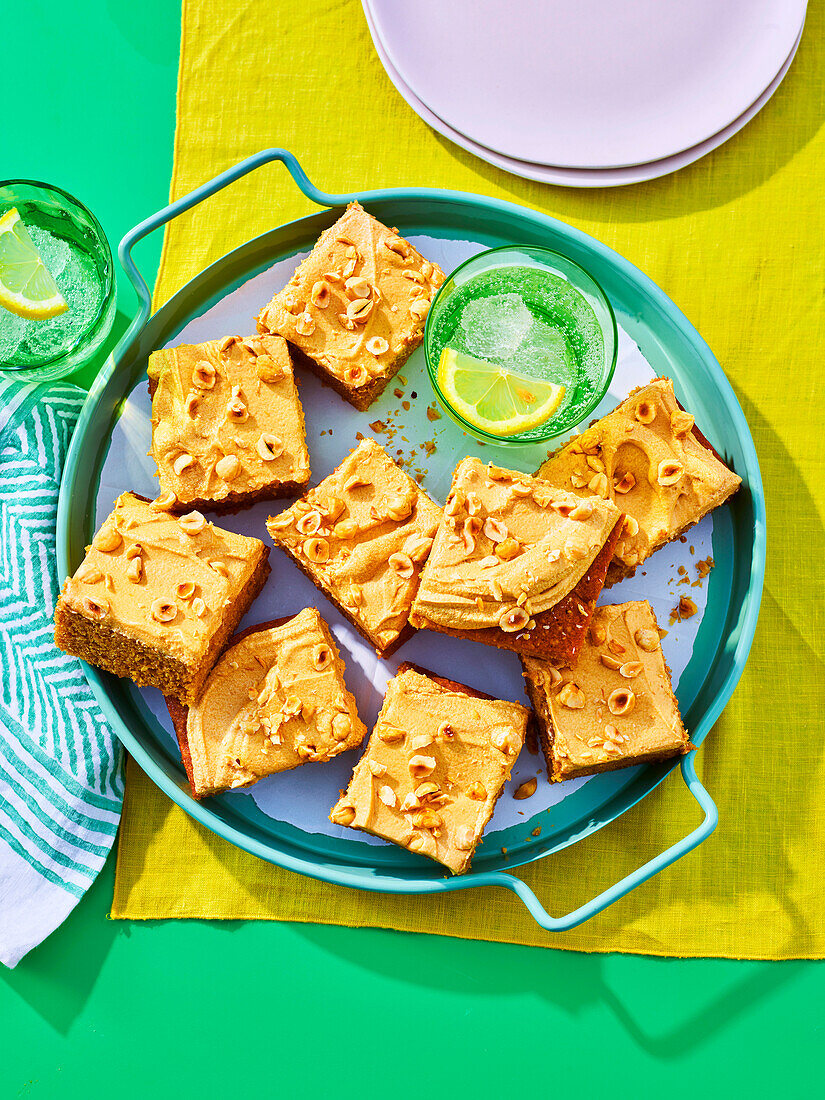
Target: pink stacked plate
x,y
592,94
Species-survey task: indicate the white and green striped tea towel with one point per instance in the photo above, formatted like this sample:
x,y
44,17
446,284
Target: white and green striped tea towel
x,y
60,778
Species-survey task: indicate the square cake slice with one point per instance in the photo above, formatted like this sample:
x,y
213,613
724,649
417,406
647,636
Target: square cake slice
x,y
356,306
361,537
227,425
615,707
516,563
276,699
650,459
435,765
158,595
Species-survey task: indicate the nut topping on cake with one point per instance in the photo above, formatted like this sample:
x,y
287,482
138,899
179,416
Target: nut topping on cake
x,y
648,640
625,483
317,550
513,619
387,796
95,609
204,375
192,523
269,447
402,565
630,669
495,530
107,539
572,696
182,462
163,611
621,702
321,657
508,549
227,467
421,766
309,523
88,574
681,422
377,345
164,502
669,472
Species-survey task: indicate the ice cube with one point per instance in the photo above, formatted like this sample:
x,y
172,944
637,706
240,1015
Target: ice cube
x,y
494,327
54,251
544,353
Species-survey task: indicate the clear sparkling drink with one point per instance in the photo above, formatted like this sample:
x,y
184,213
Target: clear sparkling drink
x,y
73,247
520,344
532,322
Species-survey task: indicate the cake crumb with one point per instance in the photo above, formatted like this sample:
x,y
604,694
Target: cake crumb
x,y
433,413
378,426
684,609
536,831
704,566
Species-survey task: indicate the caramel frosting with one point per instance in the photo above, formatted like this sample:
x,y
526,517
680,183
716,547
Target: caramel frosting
x,y
509,546
362,535
436,763
615,707
358,302
645,457
226,419
275,700
163,579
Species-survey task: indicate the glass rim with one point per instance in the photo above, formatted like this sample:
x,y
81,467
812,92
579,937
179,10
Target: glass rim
x,y
601,390
109,287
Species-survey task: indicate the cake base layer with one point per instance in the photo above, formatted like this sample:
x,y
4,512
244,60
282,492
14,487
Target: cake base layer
x,y
148,666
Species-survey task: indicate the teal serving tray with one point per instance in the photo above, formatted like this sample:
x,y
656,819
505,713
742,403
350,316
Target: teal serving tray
x,y
671,346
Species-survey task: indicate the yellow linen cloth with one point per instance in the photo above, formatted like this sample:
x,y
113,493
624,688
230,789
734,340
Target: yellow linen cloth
x,y
738,241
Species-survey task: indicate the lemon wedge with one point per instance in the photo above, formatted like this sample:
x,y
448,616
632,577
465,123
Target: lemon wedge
x,y
494,399
27,287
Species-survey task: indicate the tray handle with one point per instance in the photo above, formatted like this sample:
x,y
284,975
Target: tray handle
x,y
186,202
631,881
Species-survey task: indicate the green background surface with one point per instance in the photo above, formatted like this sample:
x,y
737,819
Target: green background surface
x,y
185,1009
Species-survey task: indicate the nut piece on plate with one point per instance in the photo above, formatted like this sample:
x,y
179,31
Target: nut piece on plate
x,y
615,707
516,563
434,767
362,536
276,699
157,595
650,459
227,424
356,306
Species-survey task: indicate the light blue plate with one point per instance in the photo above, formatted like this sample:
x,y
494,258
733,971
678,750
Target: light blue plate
x,y
672,347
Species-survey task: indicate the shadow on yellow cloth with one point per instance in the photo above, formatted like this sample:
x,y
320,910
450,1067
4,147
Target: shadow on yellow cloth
x,y
737,241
